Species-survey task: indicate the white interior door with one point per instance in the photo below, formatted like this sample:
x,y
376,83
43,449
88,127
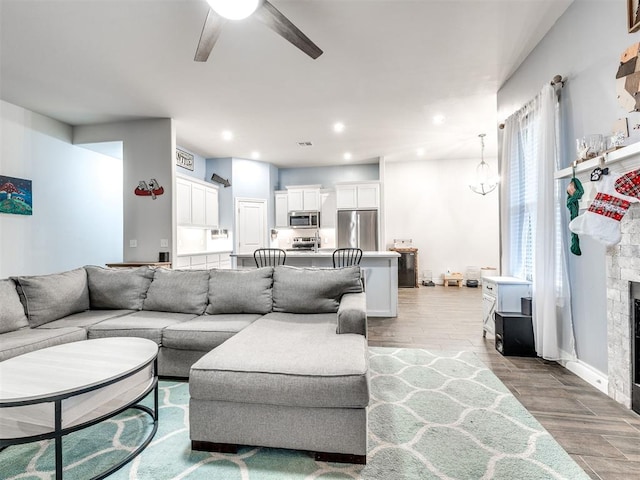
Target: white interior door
x,y
251,224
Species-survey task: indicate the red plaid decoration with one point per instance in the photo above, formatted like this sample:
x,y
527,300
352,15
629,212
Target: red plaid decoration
x,y
609,206
629,184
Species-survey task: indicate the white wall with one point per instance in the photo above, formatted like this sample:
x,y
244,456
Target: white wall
x,y
77,198
430,202
148,152
585,46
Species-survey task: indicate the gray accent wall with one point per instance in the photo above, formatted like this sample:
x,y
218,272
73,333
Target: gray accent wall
x,y
149,148
585,46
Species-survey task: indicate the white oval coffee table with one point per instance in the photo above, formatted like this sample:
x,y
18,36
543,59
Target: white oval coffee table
x,y
57,390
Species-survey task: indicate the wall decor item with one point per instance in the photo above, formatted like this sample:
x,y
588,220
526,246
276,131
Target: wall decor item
x,y
15,196
184,159
152,189
628,79
633,15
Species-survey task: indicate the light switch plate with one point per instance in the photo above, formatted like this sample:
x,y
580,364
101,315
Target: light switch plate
x,y
133,243
164,242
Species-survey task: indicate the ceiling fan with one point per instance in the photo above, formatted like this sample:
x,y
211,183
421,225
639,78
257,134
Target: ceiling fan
x,y
261,10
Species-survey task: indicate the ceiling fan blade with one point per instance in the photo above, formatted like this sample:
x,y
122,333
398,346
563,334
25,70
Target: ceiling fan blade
x,y
210,33
276,21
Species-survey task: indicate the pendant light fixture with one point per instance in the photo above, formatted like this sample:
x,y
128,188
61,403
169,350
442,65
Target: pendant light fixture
x,y
234,9
484,183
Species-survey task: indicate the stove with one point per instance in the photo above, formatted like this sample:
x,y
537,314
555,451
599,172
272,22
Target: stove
x,y
301,244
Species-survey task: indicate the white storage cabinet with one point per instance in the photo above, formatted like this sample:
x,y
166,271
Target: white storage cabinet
x,y
358,196
303,198
282,209
197,203
501,294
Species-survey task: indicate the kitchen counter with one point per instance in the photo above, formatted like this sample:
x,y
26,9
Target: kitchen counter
x,y
380,273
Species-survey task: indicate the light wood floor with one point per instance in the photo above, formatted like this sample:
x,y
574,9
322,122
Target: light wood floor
x,y
601,435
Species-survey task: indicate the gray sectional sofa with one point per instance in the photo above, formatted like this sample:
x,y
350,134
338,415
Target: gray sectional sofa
x,y
275,356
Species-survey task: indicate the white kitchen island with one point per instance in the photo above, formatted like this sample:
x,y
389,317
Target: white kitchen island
x,y
380,274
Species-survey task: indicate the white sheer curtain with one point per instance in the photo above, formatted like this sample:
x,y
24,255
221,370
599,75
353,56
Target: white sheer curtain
x,y
533,240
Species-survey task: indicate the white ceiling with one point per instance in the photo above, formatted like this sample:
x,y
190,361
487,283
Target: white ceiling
x,y
388,67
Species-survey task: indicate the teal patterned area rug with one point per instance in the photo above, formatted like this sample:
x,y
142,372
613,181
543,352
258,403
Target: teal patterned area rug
x,y
433,415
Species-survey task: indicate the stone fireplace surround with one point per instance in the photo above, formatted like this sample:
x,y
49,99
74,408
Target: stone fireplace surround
x,y
623,267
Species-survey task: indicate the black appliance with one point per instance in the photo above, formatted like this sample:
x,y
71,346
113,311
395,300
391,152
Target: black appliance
x,y
514,334
407,270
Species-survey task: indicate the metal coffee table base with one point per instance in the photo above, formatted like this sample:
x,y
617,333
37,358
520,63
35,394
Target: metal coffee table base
x,y
60,432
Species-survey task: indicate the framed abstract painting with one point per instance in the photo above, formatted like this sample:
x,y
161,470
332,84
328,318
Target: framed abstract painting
x,y
15,196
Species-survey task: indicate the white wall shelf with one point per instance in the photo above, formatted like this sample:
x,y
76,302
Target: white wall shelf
x,y
621,160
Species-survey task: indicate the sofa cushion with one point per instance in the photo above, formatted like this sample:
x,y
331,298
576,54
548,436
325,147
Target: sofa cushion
x,y
143,324
286,359
206,332
178,291
118,288
240,291
28,339
313,290
86,319
49,297
12,315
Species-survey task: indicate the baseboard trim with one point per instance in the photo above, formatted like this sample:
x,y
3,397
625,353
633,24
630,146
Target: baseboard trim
x,y
588,374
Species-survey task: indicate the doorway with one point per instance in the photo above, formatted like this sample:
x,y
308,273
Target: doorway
x,y
251,224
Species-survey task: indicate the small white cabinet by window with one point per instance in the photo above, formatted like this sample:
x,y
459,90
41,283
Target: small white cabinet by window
x,y
358,196
282,209
303,198
196,203
501,294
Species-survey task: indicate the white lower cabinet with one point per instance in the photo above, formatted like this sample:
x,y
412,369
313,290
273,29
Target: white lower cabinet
x,y
204,262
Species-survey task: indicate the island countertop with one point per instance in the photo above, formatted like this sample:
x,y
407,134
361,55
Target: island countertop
x,y
380,269
324,253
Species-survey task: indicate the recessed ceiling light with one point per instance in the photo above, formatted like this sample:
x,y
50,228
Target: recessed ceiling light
x,y
338,127
420,152
255,155
347,156
438,119
227,135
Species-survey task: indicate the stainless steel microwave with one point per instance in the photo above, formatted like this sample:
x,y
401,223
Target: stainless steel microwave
x,y
304,219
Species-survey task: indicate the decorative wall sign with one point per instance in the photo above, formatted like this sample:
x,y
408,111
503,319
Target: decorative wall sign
x,y
184,159
153,189
628,79
15,196
633,15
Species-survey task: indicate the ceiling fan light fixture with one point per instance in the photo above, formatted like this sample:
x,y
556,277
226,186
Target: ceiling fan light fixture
x,y
234,9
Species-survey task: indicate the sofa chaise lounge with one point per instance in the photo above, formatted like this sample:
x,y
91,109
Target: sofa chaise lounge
x,y
276,356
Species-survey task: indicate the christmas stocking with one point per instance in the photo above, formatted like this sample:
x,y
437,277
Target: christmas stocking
x,y
602,220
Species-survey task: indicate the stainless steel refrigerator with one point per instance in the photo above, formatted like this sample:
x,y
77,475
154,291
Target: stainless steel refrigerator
x,y
358,229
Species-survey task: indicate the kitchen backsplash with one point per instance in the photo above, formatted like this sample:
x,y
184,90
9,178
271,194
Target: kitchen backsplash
x,y
198,240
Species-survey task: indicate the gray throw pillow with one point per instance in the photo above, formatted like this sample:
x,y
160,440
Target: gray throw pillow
x,y
12,315
49,297
313,290
118,288
178,291
240,291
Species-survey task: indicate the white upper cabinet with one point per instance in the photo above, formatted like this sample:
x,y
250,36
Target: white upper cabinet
x,y
197,203
282,209
328,209
358,195
183,201
304,198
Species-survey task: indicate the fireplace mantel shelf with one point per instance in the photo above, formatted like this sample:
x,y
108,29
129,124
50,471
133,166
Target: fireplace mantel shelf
x,y
621,160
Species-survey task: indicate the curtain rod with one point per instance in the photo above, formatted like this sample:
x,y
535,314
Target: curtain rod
x,y
557,80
